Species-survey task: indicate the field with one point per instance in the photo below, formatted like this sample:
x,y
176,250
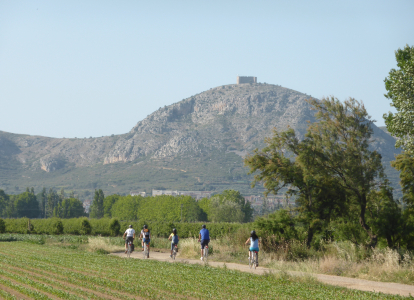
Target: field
x,y
33,271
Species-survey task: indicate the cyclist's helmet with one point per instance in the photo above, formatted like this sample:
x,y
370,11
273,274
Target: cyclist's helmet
x,y
145,226
175,231
204,226
130,226
253,232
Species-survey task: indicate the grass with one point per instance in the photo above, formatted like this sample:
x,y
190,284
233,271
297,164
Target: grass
x,y
339,258
43,271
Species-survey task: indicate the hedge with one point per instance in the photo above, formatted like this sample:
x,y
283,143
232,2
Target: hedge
x,y
113,227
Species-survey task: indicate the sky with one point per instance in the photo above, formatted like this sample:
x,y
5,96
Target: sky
x,y
96,68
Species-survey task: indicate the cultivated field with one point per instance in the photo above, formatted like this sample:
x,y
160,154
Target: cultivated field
x,y
31,271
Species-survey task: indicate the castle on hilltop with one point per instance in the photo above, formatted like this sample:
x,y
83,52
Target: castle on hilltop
x,y
246,79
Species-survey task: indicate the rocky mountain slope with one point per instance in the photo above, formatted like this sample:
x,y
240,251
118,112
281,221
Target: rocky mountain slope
x,y
197,143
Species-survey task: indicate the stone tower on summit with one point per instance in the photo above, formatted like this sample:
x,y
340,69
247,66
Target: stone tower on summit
x,y
246,79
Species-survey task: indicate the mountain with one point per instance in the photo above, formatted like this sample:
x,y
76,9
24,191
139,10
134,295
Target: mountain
x,y
195,144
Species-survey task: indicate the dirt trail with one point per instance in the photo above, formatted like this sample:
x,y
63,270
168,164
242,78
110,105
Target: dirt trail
x,y
352,283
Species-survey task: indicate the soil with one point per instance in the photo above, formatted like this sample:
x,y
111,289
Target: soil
x,y
351,283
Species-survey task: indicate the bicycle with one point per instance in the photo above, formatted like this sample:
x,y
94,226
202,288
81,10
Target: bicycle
x,y
174,252
146,254
129,250
253,259
205,253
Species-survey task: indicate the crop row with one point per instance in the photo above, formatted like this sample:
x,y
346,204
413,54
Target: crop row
x,y
38,271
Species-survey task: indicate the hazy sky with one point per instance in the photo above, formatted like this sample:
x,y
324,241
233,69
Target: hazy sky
x,y
94,68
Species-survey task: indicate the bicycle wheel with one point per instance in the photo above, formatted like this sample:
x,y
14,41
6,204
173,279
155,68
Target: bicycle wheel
x,y
250,260
174,252
205,253
145,252
129,250
255,259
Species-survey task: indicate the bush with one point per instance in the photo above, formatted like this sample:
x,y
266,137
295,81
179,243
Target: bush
x,y
57,226
85,227
2,226
114,227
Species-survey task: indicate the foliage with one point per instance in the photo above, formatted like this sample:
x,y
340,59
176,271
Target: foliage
x,y
107,204
229,206
400,90
114,227
2,226
404,163
4,202
276,228
70,208
126,208
97,206
331,171
86,227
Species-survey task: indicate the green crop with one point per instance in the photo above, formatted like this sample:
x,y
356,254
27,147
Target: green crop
x,y
42,272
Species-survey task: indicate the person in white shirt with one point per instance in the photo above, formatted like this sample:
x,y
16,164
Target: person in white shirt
x,y
130,236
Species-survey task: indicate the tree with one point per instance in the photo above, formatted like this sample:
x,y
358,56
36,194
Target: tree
x,y
26,205
400,87
286,162
341,140
4,202
107,205
225,211
70,208
246,211
51,203
331,170
97,208
41,197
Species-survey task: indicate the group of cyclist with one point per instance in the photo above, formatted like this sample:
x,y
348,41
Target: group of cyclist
x,y
145,237
203,239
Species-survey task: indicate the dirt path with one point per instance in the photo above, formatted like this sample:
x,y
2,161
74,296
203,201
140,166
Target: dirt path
x,y
352,283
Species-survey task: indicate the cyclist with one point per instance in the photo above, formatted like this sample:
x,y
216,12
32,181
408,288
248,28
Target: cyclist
x,y
130,236
146,238
204,239
254,244
174,240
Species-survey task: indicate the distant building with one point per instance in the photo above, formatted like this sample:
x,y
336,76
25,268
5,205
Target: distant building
x,y
195,194
142,194
87,205
246,79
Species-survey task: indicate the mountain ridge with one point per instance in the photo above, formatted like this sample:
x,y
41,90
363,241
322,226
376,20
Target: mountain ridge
x,y
200,132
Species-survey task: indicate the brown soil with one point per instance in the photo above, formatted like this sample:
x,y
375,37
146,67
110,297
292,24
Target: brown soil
x,y
351,283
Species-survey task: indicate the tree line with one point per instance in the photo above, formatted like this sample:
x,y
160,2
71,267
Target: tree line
x,y
229,206
45,204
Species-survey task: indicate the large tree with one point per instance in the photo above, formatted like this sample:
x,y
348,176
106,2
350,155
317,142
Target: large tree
x,y
332,170
97,207
286,163
400,90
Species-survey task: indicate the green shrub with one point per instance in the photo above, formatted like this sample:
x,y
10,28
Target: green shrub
x,y
85,227
2,226
114,227
57,226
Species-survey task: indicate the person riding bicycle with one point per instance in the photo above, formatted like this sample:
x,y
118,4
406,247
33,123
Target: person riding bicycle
x,y
130,236
174,240
204,239
254,244
146,238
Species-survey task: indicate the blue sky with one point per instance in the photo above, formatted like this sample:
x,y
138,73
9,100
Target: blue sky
x,y
95,68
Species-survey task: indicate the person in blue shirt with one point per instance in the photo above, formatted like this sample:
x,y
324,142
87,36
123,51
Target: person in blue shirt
x,y
204,239
254,244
